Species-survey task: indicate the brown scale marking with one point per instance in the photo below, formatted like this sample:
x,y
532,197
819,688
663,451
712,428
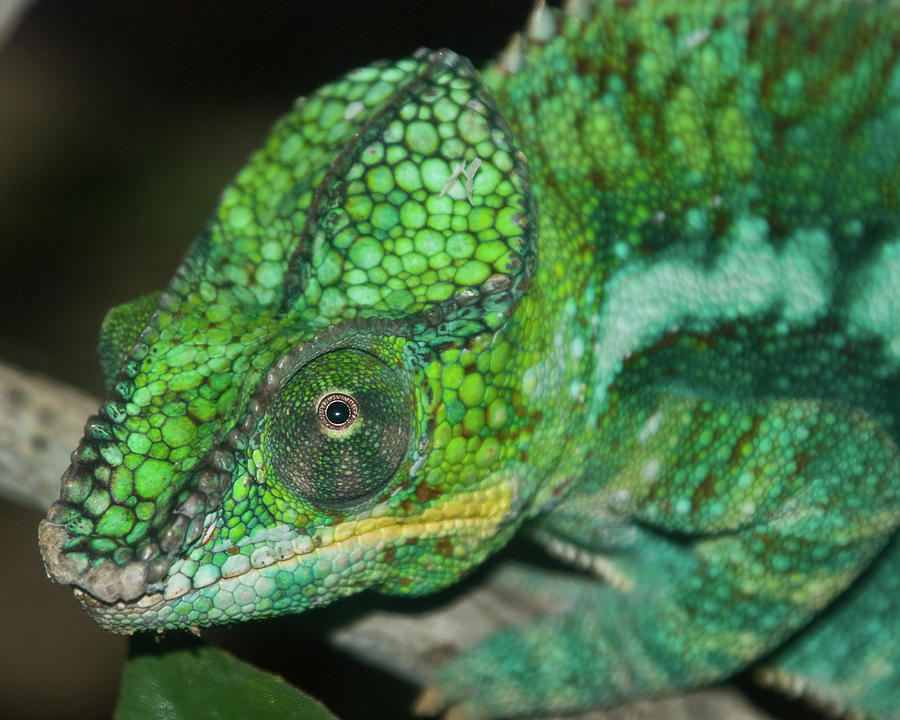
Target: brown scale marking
x,y
704,342
669,338
389,555
780,126
193,418
728,330
754,27
583,253
602,421
430,425
425,493
778,224
444,547
233,550
585,68
755,34
745,438
513,437
408,506
558,490
706,489
722,221
599,180
814,41
802,460
673,82
533,421
696,428
785,37
671,22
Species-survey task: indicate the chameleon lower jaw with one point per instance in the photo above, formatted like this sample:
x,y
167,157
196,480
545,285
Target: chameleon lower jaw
x,y
287,581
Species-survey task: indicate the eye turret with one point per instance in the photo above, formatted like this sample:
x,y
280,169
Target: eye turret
x,y
340,428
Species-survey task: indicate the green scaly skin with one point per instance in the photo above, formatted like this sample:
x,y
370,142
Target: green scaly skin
x,y
634,289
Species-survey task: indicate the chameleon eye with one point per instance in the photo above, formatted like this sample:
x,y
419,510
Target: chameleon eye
x,y
338,411
339,428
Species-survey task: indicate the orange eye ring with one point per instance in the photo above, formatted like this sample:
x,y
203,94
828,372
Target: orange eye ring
x,y
337,411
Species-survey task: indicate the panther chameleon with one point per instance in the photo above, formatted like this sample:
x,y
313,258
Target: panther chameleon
x,y
633,289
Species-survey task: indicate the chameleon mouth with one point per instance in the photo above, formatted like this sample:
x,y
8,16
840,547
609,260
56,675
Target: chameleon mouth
x,y
277,571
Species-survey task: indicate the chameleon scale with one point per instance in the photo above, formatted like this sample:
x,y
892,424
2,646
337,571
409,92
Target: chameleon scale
x,y
634,289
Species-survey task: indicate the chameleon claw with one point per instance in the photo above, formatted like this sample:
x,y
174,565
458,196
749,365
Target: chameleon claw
x,y
430,701
433,701
462,711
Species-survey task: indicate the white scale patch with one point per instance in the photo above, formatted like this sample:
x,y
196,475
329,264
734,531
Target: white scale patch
x,y
875,305
651,468
353,109
651,427
749,278
697,37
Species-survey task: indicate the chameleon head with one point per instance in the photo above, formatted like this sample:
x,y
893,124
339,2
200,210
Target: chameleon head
x,y
321,400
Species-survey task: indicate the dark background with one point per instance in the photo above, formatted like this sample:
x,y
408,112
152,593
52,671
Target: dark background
x,y
120,123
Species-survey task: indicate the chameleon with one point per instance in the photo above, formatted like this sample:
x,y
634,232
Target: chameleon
x,y
631,290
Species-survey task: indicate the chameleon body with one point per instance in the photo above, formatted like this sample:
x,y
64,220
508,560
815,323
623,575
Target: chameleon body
x,y
634,289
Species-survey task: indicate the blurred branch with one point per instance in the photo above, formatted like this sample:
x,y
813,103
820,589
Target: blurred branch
x,y
41,421
11,12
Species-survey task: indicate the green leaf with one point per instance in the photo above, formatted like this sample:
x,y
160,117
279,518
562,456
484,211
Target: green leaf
x,y
191,680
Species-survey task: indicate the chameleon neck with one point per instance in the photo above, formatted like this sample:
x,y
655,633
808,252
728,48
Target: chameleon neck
x,y
555,327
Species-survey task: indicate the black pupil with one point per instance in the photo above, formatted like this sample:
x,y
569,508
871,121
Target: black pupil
x,y
337,412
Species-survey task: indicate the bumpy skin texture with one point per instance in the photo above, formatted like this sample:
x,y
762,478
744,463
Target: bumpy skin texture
x,y
634,290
